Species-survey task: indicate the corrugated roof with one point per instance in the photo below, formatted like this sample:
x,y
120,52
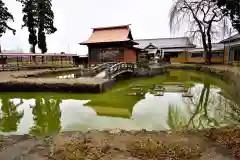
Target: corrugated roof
x,y
110,34
178,42
232,38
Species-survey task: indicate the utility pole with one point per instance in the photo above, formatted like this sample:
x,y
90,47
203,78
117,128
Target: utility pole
x,y
68,48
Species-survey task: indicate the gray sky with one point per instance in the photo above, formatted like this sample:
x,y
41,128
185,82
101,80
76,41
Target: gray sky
x,y
74,20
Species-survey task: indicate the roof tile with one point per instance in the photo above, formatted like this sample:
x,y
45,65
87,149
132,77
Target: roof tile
x,y
109,34
179,42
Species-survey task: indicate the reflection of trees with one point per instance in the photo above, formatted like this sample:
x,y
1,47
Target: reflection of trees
x,y
200,117
47,114
176,119
205,109
234,112
10,117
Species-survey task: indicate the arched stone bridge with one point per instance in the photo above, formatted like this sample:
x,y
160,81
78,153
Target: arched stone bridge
x,y
116,70
98,69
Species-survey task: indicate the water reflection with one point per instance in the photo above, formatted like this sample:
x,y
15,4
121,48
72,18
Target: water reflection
x,y
46,116
10,117
192,102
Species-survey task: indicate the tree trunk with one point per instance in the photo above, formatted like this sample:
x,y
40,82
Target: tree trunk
x,y
205,47
42,59
209,53
208,57
34,51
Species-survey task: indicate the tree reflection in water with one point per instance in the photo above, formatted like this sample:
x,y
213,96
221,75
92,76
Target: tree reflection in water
x,y
10,117
200,117
46,116
207,108
176,118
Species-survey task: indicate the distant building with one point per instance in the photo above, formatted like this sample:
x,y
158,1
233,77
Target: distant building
x,y
111,44
198,55
116,44
168,48
232,49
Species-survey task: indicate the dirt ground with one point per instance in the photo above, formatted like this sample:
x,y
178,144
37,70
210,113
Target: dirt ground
x,y
214,144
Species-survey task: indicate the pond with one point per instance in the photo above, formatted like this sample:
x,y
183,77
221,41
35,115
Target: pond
x,y
176,100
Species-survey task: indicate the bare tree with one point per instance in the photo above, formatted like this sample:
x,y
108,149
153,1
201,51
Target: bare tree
x,y
204,19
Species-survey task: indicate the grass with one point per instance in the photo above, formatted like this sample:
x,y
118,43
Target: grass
x,y
187,145
153,148
139,145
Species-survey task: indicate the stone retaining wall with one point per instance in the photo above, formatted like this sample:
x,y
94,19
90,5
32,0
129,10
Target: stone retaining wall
x,y
58,87
29,82
16,86
225,75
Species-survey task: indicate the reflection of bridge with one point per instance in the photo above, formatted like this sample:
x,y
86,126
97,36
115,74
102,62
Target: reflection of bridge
x,y
114,70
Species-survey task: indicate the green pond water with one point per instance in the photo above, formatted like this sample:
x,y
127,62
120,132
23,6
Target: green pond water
x,y
179,99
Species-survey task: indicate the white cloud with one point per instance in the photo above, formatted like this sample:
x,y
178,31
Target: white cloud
x,y
75,18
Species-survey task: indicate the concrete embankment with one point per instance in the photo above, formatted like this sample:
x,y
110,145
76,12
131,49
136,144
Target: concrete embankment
x,y
31,81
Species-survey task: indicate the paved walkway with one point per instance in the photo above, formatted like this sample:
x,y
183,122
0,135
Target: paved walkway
x,y
13,76
101,74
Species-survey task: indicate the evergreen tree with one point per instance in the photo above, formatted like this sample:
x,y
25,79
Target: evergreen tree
x,y
45,25
5,16
38,17
30,21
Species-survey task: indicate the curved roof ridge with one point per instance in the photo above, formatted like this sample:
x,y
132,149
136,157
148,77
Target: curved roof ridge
x,y
159,38
110,27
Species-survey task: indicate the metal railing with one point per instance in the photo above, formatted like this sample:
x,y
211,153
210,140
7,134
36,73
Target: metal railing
x,y
119,68
97,69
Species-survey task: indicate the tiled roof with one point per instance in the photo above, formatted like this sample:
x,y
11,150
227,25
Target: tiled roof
x,y
215,47
110,34
232,38
179,42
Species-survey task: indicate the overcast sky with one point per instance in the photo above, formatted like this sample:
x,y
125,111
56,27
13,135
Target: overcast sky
x,y
75,18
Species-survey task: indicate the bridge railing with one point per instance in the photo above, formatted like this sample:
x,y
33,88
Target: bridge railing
x,y
101,67
119,67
